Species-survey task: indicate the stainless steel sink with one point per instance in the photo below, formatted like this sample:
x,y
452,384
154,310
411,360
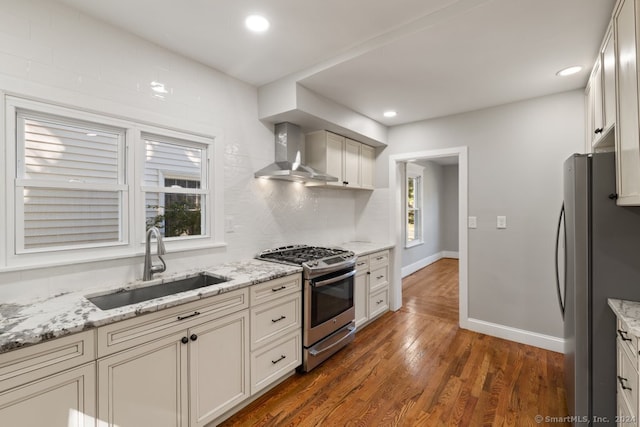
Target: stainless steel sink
x,y
133,296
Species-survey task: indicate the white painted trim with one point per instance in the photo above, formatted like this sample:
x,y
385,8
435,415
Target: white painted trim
x,y
518,335
412,268
450,254
395,225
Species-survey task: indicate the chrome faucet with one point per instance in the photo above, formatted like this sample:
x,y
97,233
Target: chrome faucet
x,y
149,268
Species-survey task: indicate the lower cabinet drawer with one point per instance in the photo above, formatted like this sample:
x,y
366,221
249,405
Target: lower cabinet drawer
x,y
379,278
30,363
270,363
277,317
378,302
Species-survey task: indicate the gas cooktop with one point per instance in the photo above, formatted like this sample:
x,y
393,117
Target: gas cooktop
x,y
309,257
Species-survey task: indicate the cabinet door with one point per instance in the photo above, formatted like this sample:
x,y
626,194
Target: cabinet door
x,y
360,297
609,81
65,399
352,163
596,95
588,104
335,158
367,166
627,133
218,367
145,386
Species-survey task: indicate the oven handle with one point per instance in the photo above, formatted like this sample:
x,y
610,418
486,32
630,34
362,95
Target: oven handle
x,y
333,280
350,328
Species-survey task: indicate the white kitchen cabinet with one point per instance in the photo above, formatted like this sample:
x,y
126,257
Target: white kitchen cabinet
x,y
51,383
371,287
146,385
341,157
361,290
627,135
63,399
367,166
188,376
276,330
600,96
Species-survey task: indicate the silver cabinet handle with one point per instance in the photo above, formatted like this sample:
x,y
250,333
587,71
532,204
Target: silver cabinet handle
x,y
334,280
380,301
351,329
379,277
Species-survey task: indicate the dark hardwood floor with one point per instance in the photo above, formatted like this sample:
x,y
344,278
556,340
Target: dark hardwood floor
x,y
415,367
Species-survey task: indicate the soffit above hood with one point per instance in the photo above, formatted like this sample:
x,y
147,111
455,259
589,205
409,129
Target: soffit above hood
x,y
288,165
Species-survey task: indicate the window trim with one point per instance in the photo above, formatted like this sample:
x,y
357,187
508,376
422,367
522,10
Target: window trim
x,y
132,233
413,171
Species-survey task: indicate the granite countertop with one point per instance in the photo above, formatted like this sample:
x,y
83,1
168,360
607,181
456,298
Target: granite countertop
x,y
628,312
365,248
24,323
30,322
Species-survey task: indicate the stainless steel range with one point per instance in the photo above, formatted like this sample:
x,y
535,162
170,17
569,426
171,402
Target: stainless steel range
x,y
328,310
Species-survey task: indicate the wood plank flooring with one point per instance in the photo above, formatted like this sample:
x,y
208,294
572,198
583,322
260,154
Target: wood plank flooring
x,y
415,367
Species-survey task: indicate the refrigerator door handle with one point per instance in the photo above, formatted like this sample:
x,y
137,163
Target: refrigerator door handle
x,y
560,301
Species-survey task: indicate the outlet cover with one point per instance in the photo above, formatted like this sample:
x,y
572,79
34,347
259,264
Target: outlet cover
x,y
473,222
501,222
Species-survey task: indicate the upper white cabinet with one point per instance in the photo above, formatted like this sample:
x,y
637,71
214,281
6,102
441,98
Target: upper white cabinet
x,y
627,136
600,97
350,161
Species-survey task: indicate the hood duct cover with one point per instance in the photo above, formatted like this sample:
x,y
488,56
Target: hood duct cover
x,y
288,166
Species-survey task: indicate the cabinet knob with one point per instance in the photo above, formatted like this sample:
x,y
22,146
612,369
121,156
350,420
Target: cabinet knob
x,y
193,337
184,340
345,182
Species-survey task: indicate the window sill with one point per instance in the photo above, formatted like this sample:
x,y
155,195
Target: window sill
x,y
415,243
69,261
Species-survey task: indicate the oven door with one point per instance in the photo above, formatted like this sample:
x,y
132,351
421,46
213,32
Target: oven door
x,y
328,304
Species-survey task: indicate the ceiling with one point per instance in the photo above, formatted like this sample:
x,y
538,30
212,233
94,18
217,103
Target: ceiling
x,y
422,58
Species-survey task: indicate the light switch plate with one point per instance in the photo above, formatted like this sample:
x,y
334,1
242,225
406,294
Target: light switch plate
x,y
473,222
501,221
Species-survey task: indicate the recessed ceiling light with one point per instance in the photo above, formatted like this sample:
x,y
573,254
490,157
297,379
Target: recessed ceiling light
x,y
569,71
257,23
158,87
390,113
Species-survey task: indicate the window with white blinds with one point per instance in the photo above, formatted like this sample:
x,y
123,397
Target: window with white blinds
x,y
70,183
82,186
175,186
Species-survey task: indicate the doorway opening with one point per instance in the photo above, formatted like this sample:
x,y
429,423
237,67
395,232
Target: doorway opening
x,y
398,220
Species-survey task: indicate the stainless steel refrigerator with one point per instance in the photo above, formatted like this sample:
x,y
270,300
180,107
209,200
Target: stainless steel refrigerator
x,y
601,256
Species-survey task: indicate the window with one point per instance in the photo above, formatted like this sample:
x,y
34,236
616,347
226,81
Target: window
x,y
175,186
413,205
70,183
82,186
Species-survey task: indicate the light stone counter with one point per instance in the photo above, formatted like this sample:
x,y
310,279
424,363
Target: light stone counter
x,y
628,312
365,248
24,323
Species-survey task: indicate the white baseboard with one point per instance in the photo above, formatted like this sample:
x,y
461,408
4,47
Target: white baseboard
x,y
450,254
412,268
513,334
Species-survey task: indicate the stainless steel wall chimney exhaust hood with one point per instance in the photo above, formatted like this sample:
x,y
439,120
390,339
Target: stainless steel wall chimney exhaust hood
x,y
288,166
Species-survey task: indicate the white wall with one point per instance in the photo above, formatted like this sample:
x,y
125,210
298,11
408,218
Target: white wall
x,y
515,155
450,208
51,52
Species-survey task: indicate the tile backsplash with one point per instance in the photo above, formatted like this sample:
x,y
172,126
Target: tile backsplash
x,y
51,52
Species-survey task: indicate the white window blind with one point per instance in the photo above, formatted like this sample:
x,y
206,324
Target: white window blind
x,y
175,186
70,183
